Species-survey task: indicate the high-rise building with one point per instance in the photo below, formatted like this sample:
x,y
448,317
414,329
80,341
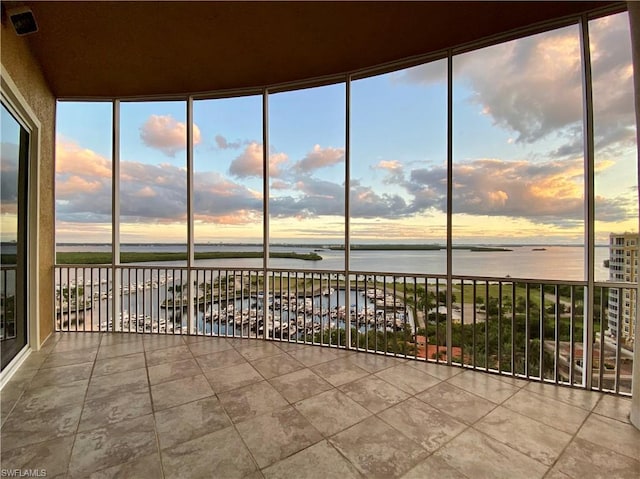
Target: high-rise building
x,y
623,267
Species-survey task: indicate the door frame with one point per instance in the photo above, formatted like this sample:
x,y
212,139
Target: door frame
x,y
20,109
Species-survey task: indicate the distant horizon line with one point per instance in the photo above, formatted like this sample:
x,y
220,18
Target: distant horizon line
x,y
326,244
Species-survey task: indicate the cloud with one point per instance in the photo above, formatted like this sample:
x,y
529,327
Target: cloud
x,y
318,158
532,86
280,185
250,162
166,134
71,159
549,192
394,171
313,197
9,173
223,144
83,184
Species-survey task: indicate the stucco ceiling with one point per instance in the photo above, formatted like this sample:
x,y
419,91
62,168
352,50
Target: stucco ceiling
x,y
123,49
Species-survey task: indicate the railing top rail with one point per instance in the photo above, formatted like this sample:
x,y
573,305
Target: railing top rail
x,y
433,276
611,284
100,265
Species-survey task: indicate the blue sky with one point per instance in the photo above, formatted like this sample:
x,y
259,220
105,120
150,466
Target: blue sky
x,y
518,162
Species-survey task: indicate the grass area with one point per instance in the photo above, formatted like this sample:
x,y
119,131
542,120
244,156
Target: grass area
x,y
144,257
521,292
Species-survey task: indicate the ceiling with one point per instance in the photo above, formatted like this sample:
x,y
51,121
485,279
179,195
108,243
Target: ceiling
x,y
126,49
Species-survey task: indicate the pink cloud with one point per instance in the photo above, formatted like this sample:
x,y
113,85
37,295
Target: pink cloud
x,y
320,158
72,158
75,185
165,133
249,163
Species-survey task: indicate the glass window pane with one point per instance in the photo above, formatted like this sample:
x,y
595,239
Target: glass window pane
x,y
399,171
228,178
83,179
153,177
306,175
616,195
616,178
518,175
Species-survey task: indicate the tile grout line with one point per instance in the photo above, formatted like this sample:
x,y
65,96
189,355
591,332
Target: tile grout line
x,y
574,436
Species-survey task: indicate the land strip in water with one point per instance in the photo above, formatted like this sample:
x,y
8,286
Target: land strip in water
x,y
89,257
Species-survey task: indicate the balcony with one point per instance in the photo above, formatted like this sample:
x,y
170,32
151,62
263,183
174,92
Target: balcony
x,y
238,371
148,405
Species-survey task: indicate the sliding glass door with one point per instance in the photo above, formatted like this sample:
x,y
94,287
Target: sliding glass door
x,y
14,157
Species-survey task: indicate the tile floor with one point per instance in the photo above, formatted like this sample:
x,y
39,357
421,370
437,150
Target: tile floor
x,y
133,406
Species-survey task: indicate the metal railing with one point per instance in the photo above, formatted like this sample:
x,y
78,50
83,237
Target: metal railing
x,y
8,279
529,329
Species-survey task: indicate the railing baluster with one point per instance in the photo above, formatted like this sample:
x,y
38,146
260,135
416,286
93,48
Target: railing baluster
x,y
152,301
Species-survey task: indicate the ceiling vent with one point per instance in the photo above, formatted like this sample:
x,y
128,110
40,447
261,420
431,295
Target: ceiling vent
x,y
23,20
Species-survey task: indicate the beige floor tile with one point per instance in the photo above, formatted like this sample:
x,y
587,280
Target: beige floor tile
x,y
612,434
374,393
118,364
374,362
535,439
456,402
61,375
51,456
300,385
161,341
549,411
77,341
113,384
189,421
408,379
277,435
145,467
584,459
331,411
66,358
40,399
377,450
435,467
614,407
258,349
180,391
119,443
314,355
484,385
320,461
479,456
173,370
250,401
339,371
102,411
232,377
197,458
167,355
573,396
422,423
220,359
440,371
114,350
277,365
24,427
208,345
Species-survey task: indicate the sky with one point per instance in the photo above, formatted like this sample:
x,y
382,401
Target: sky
x,y
518,165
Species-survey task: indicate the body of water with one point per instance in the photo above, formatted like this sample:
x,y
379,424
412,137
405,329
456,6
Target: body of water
x,y
529,262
